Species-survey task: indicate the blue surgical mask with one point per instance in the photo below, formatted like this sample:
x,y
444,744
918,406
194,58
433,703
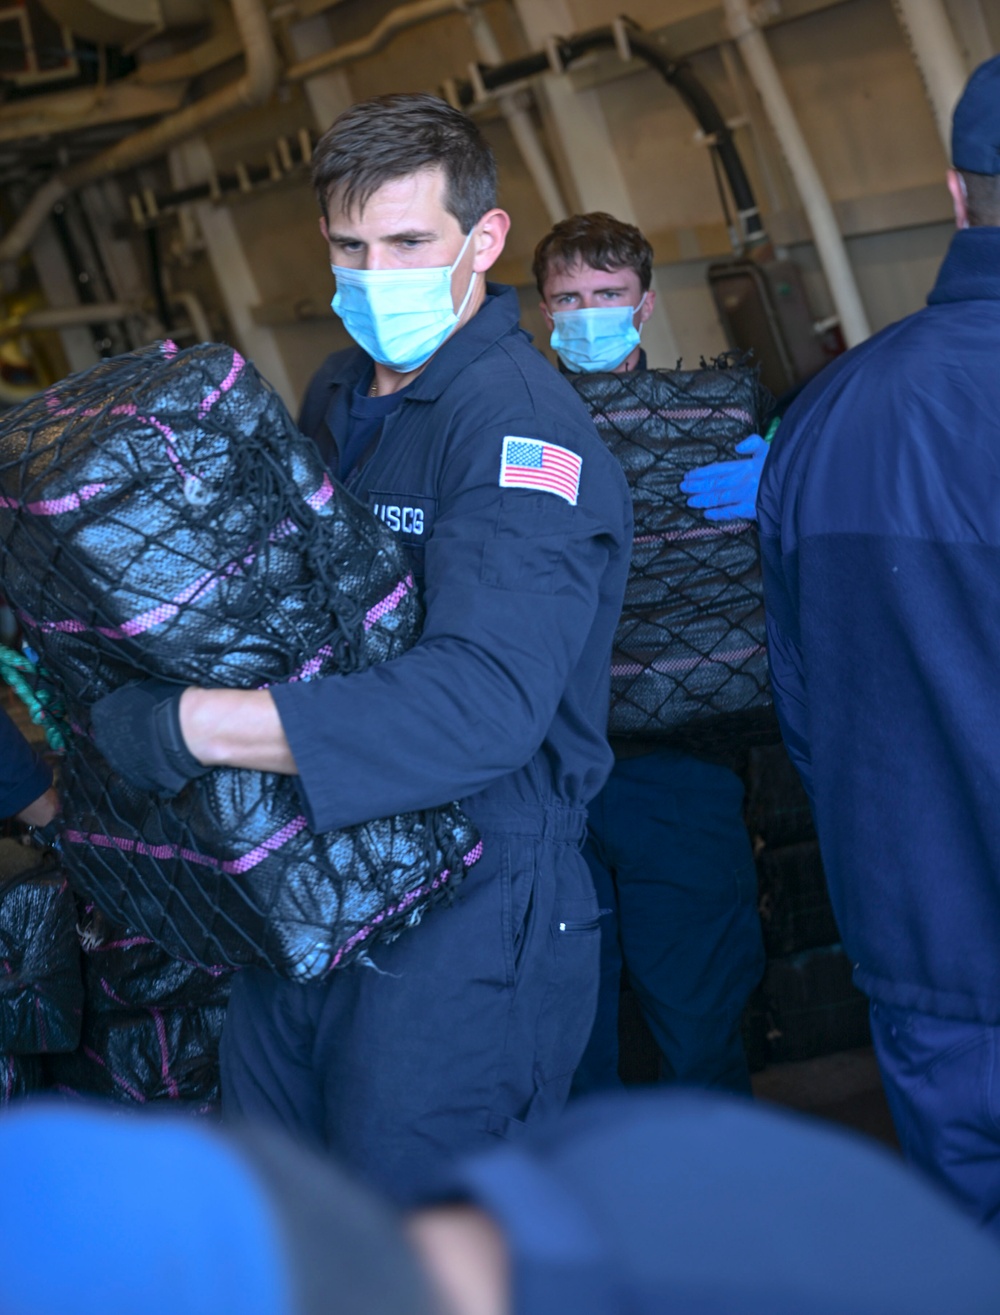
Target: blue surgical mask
x,y
400,317
597,338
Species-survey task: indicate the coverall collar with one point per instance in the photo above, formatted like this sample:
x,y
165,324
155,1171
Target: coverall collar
x,y
971,269
497,316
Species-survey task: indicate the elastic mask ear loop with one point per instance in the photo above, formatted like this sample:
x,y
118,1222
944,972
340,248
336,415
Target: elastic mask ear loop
x,y
472,276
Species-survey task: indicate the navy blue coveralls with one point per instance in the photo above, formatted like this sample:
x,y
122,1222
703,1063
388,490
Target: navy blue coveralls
x,y
472,1023
879,513
672,865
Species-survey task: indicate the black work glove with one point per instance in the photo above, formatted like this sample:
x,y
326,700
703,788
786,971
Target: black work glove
x,y
138,730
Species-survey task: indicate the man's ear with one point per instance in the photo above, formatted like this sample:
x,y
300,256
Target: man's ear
x,y
489,241
324,230
959,198
646,309
547,315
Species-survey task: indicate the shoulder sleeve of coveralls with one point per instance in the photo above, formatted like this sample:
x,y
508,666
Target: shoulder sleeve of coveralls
x,y
312,412
513,580
23,775
779,560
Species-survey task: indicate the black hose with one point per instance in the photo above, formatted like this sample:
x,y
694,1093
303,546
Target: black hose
x,y
677,73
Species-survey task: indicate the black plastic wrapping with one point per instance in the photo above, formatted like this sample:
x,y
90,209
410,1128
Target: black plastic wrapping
x,y
812,1006
20,1075
124,971
41,990
777,806
689,664
146,1056
795,909
161,515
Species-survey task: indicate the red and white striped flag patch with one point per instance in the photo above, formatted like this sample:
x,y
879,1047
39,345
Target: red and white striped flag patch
x,y
528,463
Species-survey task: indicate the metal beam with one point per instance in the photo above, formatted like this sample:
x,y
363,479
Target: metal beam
x,y
192,163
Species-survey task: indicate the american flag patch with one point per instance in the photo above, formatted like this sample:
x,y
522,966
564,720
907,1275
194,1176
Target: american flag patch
x,y
528,463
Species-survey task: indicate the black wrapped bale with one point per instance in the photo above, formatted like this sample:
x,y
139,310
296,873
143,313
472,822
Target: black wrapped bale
x,y
160,515
689,664
20,1075
812,1006
123,970
777,806
753,1029
41,990
146,1057
795,909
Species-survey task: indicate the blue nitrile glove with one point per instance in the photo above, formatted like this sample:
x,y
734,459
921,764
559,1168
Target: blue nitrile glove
x,y
138,730
727,490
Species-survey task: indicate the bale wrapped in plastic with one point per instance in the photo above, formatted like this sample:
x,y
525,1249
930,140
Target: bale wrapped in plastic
x,y
160,515
689,664
20,1075
41,988
147,1056
123,970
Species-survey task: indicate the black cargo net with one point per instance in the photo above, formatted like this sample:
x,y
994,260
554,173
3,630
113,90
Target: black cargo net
x,y
689,665
160,515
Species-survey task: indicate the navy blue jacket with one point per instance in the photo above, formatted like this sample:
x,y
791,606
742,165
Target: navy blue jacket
x,y
686,1203
879,515
23,775
504,700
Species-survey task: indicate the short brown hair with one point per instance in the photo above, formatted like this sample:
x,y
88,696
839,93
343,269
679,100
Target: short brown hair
x,y
982,199
598,240
377,141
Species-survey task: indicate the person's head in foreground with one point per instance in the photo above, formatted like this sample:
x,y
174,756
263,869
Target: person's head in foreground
x,y
974,179
672,1204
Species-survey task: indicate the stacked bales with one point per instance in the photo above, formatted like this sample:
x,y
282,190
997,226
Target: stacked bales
x,y
41,990
807,1004
151,1024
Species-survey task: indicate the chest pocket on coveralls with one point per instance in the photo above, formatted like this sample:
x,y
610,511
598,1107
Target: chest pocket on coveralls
x,y
411,519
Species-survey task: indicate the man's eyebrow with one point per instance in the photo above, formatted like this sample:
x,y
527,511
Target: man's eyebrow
x,y
410,235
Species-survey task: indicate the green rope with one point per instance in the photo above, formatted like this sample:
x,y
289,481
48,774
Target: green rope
x,y
44,707
772,429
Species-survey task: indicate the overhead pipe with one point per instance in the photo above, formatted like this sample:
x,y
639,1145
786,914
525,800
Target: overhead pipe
x,y
67,317
830,246
938,58
253,88
394,22
521,126
628,41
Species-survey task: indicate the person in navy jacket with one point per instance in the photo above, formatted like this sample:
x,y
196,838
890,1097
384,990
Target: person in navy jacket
x,y
25,780
879,513
517,522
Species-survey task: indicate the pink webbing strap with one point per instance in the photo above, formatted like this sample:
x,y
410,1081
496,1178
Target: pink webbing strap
x,y
728,657
232,867
473,856
227,383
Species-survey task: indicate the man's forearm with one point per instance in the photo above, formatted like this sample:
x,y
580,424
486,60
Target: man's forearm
x,y
235,728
